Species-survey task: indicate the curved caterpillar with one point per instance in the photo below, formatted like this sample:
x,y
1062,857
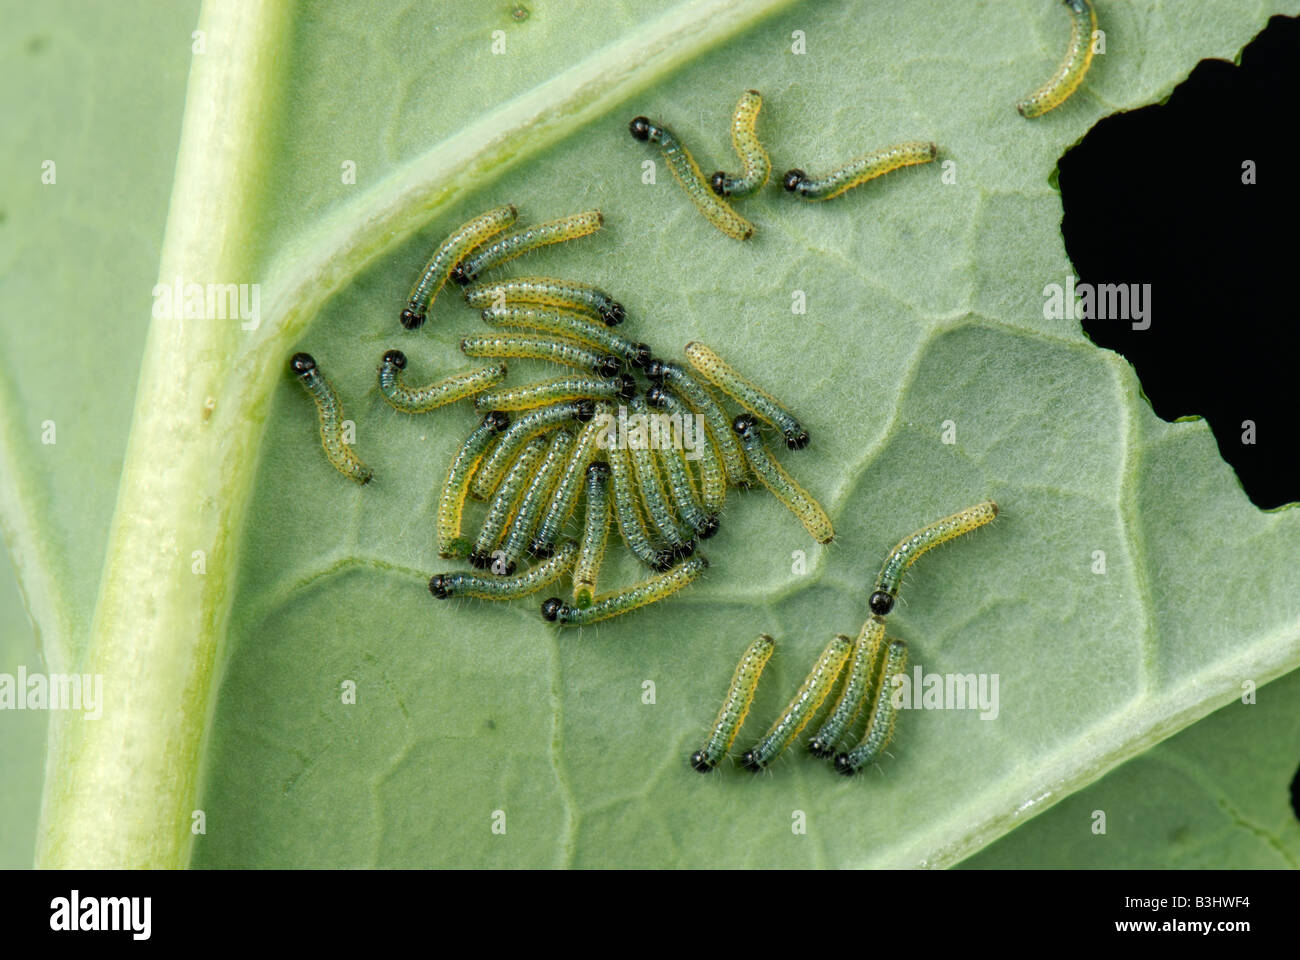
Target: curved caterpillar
x,y
518,433
505,249
1069,75
880,726
652,494
457,246
713,479
444,585
556,349
330,413
687,173
783,486
757,164
595,533
625,601
531,503
858,171
802,707
566,489
626,511
440,393
502,506
568,294
912,547
735,705
452,503
700,399
758,402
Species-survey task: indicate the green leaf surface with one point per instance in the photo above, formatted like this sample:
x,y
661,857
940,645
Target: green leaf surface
x,y
924,305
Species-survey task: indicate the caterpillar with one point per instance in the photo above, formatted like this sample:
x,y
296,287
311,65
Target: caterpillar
x,y
880,726
682,489
857,689
626,511
534,499
567,294
566,488
568,325
783,486
595,533
713,479
735,705
687,173
505,249
452,503
912,547
330,413
718,372
555,391
461,242
757,164
858,171
1069,75
529,424
802,707
556,349
423,399
652,493
502,506
701,400
444,585
625,601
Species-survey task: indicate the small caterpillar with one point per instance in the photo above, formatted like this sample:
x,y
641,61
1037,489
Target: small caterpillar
x,y
528,425
330,413
625,601
735,705
911,547
652,494
568,325
804,705
423,399
857,689
539,394
568,294
556,349
461,242
758,402
713,479
595,533
452,503
626,511
566,489
701,400
687,173
1070,74
858,171
682,489
783,486
504,249
530,505
502,506
880,726
757,164
444,585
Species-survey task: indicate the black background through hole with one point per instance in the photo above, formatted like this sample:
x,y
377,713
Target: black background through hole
x,y
1156,196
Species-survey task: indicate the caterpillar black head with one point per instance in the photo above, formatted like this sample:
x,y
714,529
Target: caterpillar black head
x,y
719,184
599,467
664,560
438,586
641,355
410,319
797,440
608,367
496,420
627,387
657,370
881,603
541,549
302,364
710,528
744,424
613,313
479,560
750,762
640,128
819,748
462,275
551,608
843,766
584,410
700,762
793,178
655,395
395,358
